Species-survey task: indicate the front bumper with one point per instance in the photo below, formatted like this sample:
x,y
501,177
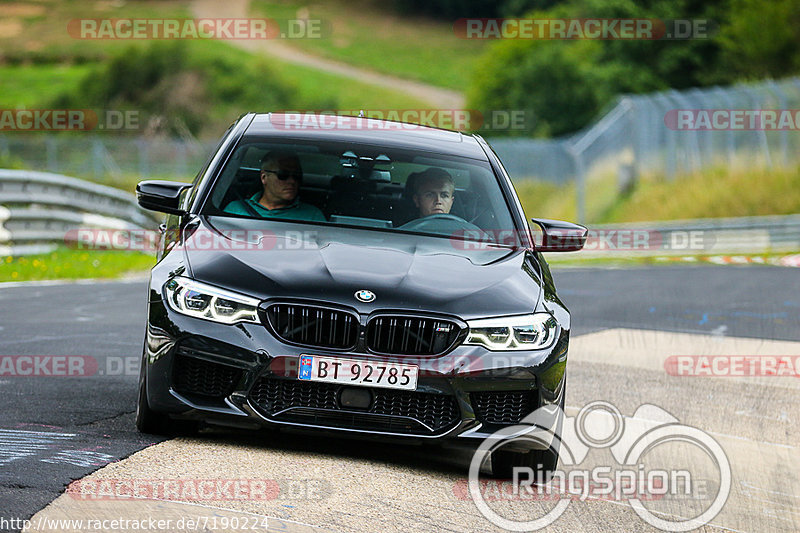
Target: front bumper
x,y
242,376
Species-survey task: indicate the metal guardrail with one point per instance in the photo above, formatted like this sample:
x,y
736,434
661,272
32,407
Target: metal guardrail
x,y
744,235
39,209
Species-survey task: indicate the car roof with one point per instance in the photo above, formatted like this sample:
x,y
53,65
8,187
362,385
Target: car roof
x,y
362,130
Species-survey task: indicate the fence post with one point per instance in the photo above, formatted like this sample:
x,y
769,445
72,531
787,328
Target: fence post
x,y
731,139
783,133
580,182
97,158
181,157
761,134
636,140
144,158
691,147
51,153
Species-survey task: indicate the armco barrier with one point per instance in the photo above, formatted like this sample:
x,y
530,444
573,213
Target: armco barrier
x,y
37,209
743,235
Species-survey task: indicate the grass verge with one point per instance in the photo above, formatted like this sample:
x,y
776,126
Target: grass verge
x,y
26,86
65,263
366,34
715,192
556,260
45,32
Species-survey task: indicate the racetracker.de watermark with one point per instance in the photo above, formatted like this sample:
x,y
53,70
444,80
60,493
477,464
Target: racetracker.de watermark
x,y
68,366
201,28
733,365
584,28
24,120
604,240
200,489
732,119
143,240
600,239
404,119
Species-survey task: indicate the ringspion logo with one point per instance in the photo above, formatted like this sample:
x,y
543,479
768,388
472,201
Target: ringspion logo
x,y
655,459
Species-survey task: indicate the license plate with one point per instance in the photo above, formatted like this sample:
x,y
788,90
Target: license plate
x,y
358,372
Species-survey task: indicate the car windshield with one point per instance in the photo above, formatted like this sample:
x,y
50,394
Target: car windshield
x,y
347,184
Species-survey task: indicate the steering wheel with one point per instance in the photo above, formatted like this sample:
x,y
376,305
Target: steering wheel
x,y
442,223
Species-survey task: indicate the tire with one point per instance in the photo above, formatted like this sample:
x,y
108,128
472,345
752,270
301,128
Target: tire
x,y
155,423
147,420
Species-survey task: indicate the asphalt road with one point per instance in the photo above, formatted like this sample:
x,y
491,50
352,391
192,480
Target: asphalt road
x,y
91,415
56,429
759,302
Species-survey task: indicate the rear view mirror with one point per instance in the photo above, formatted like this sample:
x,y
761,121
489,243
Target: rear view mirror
x,y
162,196
560,236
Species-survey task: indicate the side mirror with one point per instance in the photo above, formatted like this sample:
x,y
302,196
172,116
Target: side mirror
x,y
559,236
162,196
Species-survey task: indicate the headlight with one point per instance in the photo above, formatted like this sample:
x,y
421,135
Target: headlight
x,y
522,332
199,300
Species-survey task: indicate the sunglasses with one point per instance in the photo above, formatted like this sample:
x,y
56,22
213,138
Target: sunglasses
x,y
283,175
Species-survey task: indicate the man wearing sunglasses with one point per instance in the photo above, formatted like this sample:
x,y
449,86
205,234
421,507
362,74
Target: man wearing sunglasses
x,y
281,175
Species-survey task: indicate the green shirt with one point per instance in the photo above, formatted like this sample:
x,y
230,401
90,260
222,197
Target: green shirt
x,y
296,211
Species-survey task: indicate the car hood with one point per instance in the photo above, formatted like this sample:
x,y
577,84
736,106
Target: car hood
x,y
330,264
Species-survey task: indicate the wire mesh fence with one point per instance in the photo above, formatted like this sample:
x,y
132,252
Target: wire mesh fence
x,y
645,131
111,160
668,134
664,135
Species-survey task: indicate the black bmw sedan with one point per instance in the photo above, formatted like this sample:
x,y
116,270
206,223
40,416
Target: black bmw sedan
x,y
356,276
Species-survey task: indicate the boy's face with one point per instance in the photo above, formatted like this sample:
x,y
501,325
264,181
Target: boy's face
x,y
434,197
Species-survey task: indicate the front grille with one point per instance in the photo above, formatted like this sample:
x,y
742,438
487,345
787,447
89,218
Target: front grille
x,y
317,403
504,407
276,395
404,335
203,378
314,326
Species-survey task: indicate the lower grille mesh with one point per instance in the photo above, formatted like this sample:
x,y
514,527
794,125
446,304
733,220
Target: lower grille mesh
x,y
308,402
504,407
203,378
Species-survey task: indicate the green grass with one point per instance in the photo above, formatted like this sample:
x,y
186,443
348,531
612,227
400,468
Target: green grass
x,y
714,193
65,263
26,86
343,93
35,85
367,34
38,31
546,200
318,89
42,60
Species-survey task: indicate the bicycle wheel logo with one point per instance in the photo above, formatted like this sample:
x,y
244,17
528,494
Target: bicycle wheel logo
x,y
631,442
